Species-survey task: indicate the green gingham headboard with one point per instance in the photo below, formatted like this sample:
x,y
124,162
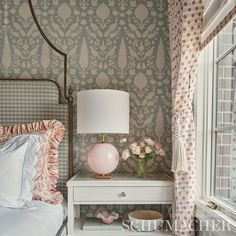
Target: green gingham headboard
x,y
25,101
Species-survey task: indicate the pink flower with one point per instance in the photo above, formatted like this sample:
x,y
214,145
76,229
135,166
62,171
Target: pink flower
x,y
148,150
162,152
125,154
142,144
142,155
133,146
149,141
135,149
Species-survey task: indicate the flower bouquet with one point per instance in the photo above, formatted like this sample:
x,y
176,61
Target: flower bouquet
x,y
141,152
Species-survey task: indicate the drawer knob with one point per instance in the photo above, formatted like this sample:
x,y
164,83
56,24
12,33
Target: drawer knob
x,y
123,194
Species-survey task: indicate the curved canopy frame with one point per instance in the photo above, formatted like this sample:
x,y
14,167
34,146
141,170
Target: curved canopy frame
x,y
68,96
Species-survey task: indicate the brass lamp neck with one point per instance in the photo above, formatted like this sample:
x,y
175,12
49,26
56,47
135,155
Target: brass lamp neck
x,y
103,138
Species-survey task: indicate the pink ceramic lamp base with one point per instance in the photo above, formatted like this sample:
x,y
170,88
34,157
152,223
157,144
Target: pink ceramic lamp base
x,y
103,158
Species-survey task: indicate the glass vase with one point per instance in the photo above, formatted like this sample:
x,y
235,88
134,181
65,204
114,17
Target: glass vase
x,y
141,167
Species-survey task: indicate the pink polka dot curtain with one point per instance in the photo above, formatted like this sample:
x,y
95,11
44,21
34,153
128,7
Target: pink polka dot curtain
x,y
185,17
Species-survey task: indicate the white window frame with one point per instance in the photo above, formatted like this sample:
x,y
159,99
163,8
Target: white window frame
x,y
216,11
205,106
203,120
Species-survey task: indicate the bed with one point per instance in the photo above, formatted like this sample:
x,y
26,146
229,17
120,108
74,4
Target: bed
x,y
42,219
25,101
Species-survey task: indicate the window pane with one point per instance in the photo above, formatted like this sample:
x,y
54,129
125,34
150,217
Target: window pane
x,y
226,38
225,166
226,90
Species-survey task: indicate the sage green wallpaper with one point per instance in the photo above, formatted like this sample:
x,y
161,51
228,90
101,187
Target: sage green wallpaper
x,y
118,44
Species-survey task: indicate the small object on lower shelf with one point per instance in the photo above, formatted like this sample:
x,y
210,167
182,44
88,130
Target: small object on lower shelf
x,y
145,220
94,224
105,216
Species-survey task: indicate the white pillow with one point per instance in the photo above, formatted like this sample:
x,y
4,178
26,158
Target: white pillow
x,y
17,160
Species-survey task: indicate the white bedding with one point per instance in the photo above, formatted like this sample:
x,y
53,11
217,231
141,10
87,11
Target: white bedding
x,y
39,219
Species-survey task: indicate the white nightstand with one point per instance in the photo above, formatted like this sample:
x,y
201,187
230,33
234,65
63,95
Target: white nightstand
x,y
118,190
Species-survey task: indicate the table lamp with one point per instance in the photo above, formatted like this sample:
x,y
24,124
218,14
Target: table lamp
x,y
102,111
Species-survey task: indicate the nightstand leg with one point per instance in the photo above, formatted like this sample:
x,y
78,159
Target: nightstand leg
x,y
78,217
71,212
77,212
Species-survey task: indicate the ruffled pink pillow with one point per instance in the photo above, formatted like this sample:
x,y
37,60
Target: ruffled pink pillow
x,y
52,132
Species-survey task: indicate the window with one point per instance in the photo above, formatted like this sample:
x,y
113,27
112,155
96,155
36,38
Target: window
x,y
216,125
224,136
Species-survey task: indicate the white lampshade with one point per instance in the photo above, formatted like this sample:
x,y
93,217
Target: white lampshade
x,y
102,111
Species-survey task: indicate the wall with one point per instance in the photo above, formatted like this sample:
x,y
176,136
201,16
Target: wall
x,y
110,44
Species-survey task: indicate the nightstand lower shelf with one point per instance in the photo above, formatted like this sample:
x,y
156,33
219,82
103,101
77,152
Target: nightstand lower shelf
x,y
79,232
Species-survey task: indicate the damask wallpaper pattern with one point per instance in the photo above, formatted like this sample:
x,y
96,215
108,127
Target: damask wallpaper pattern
x,y
110,44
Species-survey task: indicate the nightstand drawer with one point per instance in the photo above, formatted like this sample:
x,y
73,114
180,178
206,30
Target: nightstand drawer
x,y
123,194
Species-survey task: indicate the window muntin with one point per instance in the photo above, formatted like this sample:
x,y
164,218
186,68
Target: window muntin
x,y
225,166
225,86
